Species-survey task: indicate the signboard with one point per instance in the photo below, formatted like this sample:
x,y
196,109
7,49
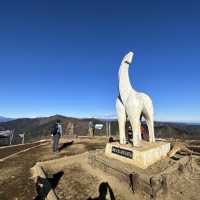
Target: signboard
x,y
122,152
99,126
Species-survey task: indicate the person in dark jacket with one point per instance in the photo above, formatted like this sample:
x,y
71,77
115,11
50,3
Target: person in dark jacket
x,y
130,135
56,133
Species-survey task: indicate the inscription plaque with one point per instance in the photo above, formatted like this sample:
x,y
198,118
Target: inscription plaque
x,y
122,152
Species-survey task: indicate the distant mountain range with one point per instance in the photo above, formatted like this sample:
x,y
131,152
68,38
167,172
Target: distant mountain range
x,y
5,119
40,128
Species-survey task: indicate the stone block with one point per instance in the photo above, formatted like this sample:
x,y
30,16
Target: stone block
x,y
142,156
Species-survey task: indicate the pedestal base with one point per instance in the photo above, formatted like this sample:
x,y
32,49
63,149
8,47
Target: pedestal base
x,y
142,157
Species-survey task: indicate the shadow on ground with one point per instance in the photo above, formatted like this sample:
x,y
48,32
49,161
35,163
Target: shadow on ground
x,y
64,145
43,186
104,189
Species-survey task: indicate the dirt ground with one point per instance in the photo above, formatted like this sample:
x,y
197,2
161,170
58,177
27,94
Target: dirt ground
x,y
80,181
77,181
15,176
6,151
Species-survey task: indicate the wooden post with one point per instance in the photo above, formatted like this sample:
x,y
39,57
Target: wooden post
x,y
70,128
22,136
91,129
11,136
109,130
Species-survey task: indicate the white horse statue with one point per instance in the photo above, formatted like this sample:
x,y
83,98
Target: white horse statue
x,y
132,104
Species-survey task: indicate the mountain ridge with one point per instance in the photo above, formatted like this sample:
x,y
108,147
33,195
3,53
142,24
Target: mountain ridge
x,y
5,119
40,127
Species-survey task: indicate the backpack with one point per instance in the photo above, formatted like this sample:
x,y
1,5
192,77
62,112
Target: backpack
x,y
55,129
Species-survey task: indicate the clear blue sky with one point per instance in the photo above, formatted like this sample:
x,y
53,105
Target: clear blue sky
x,y
63,56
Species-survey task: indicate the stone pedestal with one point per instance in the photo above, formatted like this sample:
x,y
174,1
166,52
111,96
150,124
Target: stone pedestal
x,y
142,157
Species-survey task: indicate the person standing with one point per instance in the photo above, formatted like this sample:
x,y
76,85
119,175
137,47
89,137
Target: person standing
x,y
142,131
57,133
130,135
